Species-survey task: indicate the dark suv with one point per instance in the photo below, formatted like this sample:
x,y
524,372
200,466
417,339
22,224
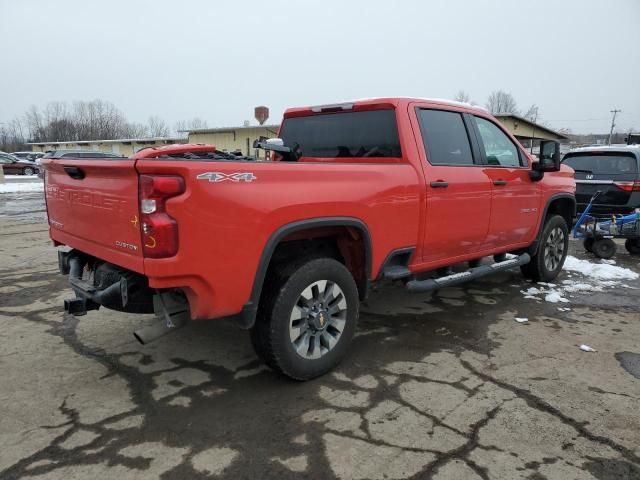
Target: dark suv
x,y
614,171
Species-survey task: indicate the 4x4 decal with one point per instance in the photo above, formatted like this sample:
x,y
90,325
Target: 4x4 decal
x,y
221,177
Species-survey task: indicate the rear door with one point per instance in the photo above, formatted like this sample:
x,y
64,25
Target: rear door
x,y
92,205
515,198
458,190
611,173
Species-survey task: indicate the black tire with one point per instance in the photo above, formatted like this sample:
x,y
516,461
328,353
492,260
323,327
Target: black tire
x,y
604,248
633,246
28,171
546,263
272,335
588,244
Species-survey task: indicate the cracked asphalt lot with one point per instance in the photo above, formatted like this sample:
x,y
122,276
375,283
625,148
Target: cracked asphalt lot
x,y
442,386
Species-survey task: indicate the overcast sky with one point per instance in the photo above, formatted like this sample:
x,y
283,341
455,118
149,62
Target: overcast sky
x,y
217,60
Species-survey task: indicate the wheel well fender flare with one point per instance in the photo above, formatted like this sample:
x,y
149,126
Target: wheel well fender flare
x,y
554,198
246,318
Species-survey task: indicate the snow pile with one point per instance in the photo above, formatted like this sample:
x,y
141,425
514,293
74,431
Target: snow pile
x,y
21,187
600,276
599,271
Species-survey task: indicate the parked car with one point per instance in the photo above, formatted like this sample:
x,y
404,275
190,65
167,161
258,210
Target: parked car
x,y
614,171
31,156
12,165
79,154
393,188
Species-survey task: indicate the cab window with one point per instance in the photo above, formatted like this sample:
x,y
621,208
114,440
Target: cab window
x,y
445,137
499,150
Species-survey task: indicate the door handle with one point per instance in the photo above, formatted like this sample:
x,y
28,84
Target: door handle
x,y
75,172
439,184
500,183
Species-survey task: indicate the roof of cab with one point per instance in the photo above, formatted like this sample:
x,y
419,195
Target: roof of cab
x,y
378,101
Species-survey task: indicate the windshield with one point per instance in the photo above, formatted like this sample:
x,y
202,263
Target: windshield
x,y
371,133
621,163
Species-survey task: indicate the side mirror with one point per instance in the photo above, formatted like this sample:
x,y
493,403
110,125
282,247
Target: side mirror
x,y
549,156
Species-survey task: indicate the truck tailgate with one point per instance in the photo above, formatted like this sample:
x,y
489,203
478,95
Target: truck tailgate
x,y
93,206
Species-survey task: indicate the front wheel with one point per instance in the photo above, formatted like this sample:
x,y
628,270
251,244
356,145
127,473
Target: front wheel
x,y
307,319
604,248
632,245
28,171
547,261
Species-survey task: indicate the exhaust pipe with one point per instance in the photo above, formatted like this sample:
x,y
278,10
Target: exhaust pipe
x,y
172,312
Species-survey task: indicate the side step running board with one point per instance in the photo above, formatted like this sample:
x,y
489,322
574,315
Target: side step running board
x,y
396,272
471,274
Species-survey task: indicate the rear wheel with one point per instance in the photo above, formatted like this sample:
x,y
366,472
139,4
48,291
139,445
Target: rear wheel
x,y
588,244
633,246
604,248
28,171
307,319
547,261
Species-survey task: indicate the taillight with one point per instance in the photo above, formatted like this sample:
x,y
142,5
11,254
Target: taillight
x,y
159,229
628,186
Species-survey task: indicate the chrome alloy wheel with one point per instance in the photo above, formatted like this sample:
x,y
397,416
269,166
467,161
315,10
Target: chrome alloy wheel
x,y
554,249
318,319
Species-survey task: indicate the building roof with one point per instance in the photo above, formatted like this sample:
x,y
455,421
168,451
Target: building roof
x,y
533,125
115,140
229,129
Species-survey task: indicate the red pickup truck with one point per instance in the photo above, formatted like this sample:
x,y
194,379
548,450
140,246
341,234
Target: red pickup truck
x,y
396,188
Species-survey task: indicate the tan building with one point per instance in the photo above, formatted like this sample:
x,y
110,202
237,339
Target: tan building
x,y
526,131
121,146
234,138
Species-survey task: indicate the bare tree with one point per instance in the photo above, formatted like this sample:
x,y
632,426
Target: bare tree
x,y
186,125
462,96
501,102
157,127
134,130
532,113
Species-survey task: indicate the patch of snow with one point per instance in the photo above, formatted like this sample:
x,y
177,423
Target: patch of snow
x,y
20,176
598,277
608,261
521,320
599,271
21,187
587,348
555,297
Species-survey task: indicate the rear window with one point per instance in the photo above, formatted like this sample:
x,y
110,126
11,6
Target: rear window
x,y
371,133
602,164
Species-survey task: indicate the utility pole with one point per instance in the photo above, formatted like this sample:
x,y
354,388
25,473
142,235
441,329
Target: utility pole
x,y
613,124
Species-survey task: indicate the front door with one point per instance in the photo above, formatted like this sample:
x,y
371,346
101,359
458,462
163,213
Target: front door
x,y
458,191
515,198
